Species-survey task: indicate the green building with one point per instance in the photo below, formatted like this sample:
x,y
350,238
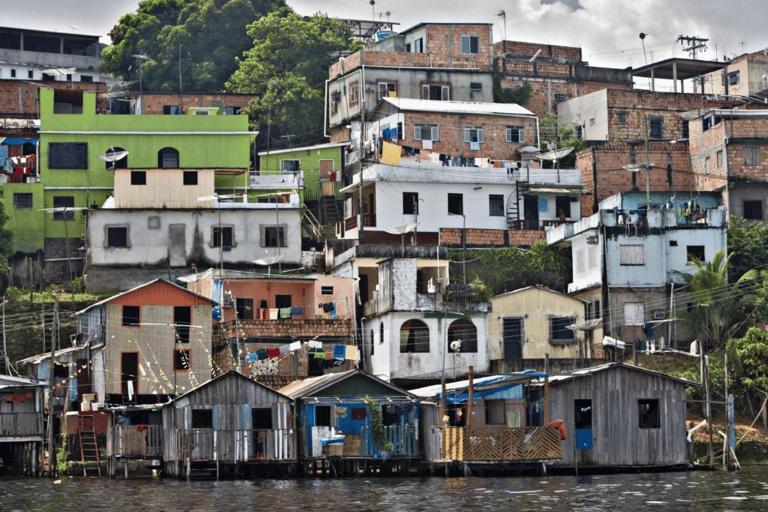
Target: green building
x,y
48,211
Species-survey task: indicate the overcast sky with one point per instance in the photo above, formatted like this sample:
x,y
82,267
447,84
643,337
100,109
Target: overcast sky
x,y
606,30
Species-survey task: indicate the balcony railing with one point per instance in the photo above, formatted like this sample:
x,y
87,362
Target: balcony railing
x,y
234,445
137,441
497,444
21,424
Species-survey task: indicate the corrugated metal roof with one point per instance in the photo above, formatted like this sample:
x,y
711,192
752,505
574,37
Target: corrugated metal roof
x,y
586,372
304,148
229,375
460,107
302,388
165,281
42,357
478,384
240,274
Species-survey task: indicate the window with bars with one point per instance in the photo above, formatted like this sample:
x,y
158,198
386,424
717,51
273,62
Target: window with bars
x,y
168,158
495,205
558,329
22,200
68,155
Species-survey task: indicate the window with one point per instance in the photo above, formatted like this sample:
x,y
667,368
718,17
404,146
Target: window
x,y
30,74
558,329
282,301
222,236
182,319
168,158
414,337
22,200
753,210
707,165
326,290
634,313
418,45
656,127
117,164
593,310
648,413
734,77
495,205
464,332
425,132
494,412
751,155
190,177
68,155
181,360
579,131
138,177
387,89
13,73
86,78
592,256
290,166
686,128
621,116
515,134
456,204
475,88
473,134
63,208
170,110
561,96
117,236
202,418
435,92
582,414
695,254
719,156
232,110
469,45
273,236
244,309
261,418
631,255
323,416
563,204
132,316
354,93
410,203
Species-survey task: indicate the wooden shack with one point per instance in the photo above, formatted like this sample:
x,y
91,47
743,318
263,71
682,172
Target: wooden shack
x,y
21,425
494,422
620,416
231,425
335,428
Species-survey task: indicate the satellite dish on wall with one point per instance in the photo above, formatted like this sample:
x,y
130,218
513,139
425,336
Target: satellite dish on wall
x,y
402,230
113,156
268,262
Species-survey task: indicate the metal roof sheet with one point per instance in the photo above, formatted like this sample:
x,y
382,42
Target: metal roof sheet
x,y
459,107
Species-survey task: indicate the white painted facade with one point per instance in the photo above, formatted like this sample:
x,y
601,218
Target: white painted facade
x,y
590,112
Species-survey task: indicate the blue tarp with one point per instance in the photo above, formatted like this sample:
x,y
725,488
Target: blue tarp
x,y
216,294
17,141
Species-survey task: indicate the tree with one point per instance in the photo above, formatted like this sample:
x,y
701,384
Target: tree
x,y
560,135
6,241
286,69
749,245
520,95
752,374
190,45
718,310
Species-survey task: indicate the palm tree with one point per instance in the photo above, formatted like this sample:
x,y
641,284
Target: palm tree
x,y
718,307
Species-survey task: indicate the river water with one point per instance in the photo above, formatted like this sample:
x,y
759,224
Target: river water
x,y
746,490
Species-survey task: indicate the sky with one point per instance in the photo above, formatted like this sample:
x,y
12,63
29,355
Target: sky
x,y
606,30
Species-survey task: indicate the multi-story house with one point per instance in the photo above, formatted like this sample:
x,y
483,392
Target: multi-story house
x,y
627,259
745,75
430,61
170,103
48,211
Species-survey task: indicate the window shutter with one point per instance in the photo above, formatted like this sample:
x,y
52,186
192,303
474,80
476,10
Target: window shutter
x,y
445,93
435,133
465,45
425,92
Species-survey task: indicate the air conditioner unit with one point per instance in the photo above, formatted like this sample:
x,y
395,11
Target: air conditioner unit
x,y
659,315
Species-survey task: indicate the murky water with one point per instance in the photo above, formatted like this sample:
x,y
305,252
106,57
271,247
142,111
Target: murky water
x,y
696,491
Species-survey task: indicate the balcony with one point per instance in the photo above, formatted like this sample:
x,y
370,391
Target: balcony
x,y
21,424
496,444
198,445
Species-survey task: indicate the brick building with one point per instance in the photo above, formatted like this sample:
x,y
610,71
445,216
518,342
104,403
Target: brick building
x,y
744,75
729,147
554,73
174,103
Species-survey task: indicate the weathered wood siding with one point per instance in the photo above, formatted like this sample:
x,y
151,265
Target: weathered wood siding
x,y
617,437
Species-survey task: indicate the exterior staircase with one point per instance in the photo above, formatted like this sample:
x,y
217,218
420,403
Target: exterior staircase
x,y
89,448
513,205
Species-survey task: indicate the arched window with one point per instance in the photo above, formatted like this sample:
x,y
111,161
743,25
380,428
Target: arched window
x,y
168,158
464,331
117,164
414,337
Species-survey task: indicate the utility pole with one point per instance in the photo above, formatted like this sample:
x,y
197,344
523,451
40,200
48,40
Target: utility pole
x,y
697,43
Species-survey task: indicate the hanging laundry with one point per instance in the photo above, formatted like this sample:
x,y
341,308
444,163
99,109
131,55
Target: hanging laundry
x,y
339,351
316,344
474,146
251,357
496,164
351,353
274,313
284,313
484,163
426,144
391,154
320,355
296,310
284,349
273,352
435,158
262,354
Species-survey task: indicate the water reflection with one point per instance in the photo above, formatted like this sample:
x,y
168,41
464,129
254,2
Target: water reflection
x,y
699,491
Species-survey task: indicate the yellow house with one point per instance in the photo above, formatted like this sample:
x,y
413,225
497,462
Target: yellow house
x,y
532,322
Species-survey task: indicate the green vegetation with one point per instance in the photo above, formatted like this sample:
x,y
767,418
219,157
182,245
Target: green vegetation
x,y
190,45
510,268
562,136
519,96
377,425
286,69
749,245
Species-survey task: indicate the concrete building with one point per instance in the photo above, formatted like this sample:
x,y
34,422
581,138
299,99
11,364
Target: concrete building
x,y
627,260
431,61
554,73
170,103
744,75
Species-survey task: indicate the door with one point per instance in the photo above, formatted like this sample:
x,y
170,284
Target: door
x,y
583,423
177,245
513,338
531,211
129,376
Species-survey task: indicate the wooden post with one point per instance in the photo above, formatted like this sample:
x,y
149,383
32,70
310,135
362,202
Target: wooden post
x,y
442,402
51,437
545,421
471,396
726,454
711,450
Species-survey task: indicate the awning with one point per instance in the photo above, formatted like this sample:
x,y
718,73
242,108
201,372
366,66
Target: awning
x,y
549,190
18,141
585,326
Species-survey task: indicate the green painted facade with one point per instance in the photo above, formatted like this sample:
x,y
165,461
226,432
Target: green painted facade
x,y
202,141
310,156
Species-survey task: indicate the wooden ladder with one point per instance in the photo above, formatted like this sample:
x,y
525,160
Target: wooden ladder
x,y
89,448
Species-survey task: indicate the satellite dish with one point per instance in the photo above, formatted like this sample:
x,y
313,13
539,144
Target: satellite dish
x,y
402,229
555,154
268,262
114,157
